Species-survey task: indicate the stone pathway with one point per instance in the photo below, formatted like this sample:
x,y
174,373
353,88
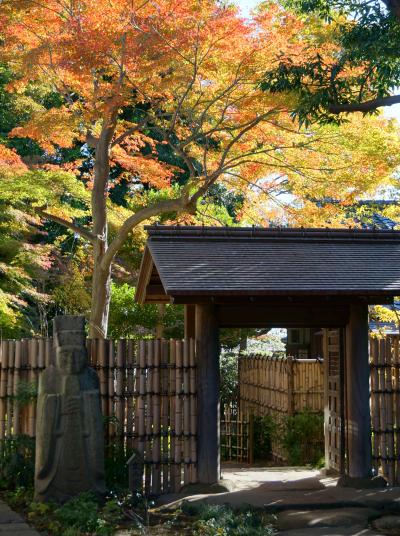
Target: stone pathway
x,y
305,502
12,524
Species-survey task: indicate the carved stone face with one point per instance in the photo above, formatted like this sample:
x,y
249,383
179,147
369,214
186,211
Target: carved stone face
x,y
71,359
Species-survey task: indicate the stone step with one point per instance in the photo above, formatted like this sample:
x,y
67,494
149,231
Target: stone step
x,y
311,519
332,531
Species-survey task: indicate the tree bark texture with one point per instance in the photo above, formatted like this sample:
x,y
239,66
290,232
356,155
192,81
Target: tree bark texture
x,y
101,284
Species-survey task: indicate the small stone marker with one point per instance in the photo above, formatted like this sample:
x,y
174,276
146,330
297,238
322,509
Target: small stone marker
x,y
69,430
135,471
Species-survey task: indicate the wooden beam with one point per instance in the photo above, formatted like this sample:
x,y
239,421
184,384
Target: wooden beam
x,y
146,268
282,316
190,321
359,456
246,298
208,380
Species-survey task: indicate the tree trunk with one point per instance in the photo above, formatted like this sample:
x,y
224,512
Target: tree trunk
x,y
160,322
101,294
101,283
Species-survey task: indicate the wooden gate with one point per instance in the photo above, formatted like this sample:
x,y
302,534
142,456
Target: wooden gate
x,y
334,400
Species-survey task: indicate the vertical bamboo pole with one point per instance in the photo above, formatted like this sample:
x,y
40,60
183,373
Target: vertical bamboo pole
x,y
389,411
172,412
130,394
178,417
41,361
165,414
10,387
3,387
138,383
397,406
32,353
111,388
193,412
156,473
48,359
17,372
23,423
119,386
41,364
102,348
382,408
375,398
149,416
291,382
141,398
186,411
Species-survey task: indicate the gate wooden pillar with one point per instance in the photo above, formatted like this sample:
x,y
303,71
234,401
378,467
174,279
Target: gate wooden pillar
x,y
190,321
208,412
359,456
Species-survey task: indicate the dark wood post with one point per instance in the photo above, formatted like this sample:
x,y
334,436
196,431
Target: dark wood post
x,y
208,434
359,456
190,321
290,393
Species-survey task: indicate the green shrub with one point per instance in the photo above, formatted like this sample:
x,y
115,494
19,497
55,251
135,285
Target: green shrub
x,y
26,393
17,462
303,437
228,379
223,520
115,462
80,512
80,515
265,428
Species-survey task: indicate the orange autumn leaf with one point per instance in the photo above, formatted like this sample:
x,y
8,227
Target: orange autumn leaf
x,y
9,159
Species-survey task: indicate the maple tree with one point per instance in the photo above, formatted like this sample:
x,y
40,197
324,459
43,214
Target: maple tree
x,y
163,98
359,71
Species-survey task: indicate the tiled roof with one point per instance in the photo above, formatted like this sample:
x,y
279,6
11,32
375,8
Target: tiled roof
x,y
254,261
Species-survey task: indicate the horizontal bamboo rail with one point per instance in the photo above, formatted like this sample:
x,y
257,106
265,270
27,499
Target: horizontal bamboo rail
x,y
148,396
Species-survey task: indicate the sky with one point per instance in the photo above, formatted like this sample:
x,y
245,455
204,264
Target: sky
x,y
247,5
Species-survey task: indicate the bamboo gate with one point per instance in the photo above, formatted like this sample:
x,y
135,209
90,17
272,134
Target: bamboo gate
x,y
236,435
148,397
279,387
385,406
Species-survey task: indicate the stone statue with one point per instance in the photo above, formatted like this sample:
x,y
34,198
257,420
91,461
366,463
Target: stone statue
x,y
69,429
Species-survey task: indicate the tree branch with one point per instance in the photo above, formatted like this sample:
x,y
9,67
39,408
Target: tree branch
x,y
367,106
84,233
171,205
394,7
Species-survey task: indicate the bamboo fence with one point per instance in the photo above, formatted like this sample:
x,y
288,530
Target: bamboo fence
x,y
278,387
148,398
148,395
385,406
